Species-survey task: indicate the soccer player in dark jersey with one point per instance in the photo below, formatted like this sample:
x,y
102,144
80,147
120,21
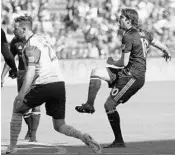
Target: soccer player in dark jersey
x,y
32,117
126,80
8,56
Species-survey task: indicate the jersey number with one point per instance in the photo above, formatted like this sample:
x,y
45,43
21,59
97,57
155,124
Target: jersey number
x,y
145,46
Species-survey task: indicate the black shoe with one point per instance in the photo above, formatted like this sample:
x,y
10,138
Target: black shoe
x,y
27,136
85,108
32,139
115,144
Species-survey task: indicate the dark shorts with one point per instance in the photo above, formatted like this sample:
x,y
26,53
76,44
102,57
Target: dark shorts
x,y
52,94
125,85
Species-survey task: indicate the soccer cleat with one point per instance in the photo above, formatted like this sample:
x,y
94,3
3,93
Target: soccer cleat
x,y
85,108
32,139
115,144
11,150
89,141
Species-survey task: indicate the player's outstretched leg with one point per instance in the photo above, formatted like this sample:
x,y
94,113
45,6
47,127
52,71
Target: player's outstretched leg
x,y
94,87
35,122
86,138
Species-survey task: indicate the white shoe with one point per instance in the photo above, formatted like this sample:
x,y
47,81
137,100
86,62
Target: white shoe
x,y
10,150
89,141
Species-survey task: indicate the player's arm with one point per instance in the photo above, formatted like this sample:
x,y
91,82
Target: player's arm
x,y
126,50
162,47
5,70
8,56
32,56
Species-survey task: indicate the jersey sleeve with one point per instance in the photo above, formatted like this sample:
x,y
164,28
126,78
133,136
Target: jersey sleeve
x,y
3,37
13,48
126,44
32,54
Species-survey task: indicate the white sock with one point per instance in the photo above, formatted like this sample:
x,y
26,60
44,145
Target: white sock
x,y
71,131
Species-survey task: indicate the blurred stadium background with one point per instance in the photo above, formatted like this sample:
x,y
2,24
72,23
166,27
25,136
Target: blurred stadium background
x,y
79,29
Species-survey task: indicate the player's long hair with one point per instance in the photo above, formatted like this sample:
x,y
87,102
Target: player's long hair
x,y
132,15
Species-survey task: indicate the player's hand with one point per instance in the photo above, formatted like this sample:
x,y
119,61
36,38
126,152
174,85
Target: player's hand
x,y
19,99
167,56
13,73
110,61
2,82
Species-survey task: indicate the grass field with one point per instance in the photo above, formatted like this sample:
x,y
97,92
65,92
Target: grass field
x,y
147,122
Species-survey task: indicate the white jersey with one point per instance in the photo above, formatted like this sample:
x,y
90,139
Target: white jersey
x,y
45,60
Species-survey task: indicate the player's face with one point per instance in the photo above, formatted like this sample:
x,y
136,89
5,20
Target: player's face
x,y
18,31
123,22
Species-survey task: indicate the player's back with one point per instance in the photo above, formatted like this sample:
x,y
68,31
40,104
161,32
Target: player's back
x,y
48,69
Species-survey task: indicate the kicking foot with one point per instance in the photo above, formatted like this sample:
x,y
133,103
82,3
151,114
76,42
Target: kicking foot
x,y
115,144
11,150
89,141
85,108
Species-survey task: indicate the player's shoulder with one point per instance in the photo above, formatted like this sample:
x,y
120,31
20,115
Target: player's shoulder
x,y
145,33
130,34
37,39
14,40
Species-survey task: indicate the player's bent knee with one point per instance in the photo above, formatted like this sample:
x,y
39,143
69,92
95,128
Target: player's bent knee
x,y
22,109
57,123
94,72
100,73
110,104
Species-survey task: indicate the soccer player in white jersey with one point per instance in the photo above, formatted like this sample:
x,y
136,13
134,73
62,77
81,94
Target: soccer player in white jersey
x,y
32,117
43,83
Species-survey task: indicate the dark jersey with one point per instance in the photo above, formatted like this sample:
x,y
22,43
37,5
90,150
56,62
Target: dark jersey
x,y
3,37
6,52
146,39
16,47
131,42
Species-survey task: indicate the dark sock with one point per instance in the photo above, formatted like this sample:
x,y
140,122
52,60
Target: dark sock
x,y
35,123
114,119
28,121
94,86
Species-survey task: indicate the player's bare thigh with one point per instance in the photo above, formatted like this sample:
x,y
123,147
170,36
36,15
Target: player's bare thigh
x,y
101,73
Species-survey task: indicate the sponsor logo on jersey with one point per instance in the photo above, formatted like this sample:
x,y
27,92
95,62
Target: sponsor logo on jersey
x,y
20,47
